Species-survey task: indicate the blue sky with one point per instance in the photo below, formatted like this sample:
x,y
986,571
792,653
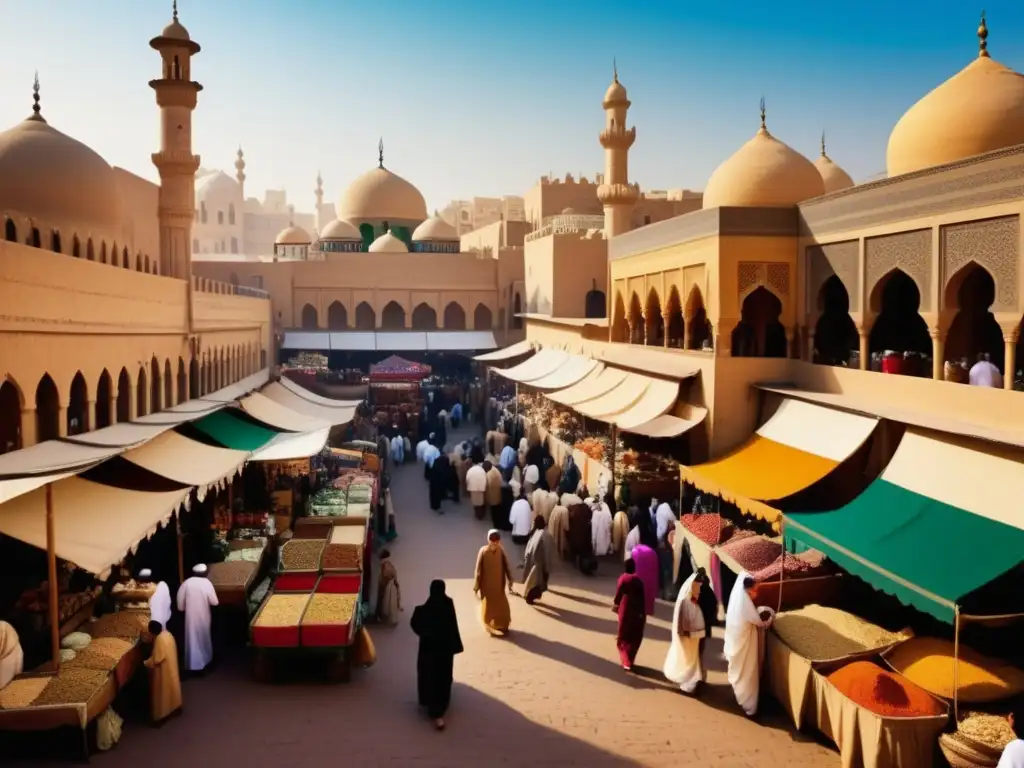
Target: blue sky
x,y
483,98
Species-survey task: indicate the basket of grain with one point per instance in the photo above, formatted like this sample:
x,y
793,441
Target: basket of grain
x,y
312,528
344,550
352,520
329,620
826,636
979,741
276,623
928,661
302,554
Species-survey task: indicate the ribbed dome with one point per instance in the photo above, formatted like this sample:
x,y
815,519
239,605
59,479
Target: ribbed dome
x,y
764,173
388,243
435,229
293,236
380,195
834,177
49,176
340,230
980,109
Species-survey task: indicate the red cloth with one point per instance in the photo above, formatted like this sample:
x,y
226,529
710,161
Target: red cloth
x,y
629,602
646,560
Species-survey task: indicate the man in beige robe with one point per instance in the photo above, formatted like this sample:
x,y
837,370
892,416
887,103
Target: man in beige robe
x,y
491,576
164,680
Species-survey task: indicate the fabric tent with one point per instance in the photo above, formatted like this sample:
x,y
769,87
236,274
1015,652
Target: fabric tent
x,y
279,416
313,397
619,399
594,385
657,400
239,389
519,348
95,525
234,431
343,413
188,462
286,447
797,447
574,369
545,362
671,425
396,368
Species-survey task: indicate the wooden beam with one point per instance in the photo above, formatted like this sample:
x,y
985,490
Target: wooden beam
x,y
181,548
51,567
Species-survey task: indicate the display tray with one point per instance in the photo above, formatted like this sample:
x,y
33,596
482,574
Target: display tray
x,y
313,527
45,718
340,582
230,593
286,636
296,581
318,635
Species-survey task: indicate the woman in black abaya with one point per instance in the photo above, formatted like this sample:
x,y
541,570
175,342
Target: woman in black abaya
x,y
440,481
438,629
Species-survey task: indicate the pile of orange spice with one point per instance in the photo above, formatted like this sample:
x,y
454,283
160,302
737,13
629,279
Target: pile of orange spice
x,y
882,692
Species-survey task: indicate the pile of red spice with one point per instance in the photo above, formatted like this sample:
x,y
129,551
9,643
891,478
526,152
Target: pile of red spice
x,y
882,692
709,527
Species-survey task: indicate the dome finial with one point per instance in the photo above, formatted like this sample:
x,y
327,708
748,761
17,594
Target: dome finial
x,y
319,180
174,9
615,70
983,38
823,144
764,126
380,153
37,110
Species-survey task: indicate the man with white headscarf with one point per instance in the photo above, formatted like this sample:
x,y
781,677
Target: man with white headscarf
x,y
159,601
683,664
743,652
430,454
196,596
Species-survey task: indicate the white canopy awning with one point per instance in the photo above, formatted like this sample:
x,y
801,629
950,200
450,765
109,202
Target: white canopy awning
x,y
546,361
597,383
186,461
306,341
671,425
279,416
575,369
401,341
241,388
95,525
335,415
657,400
286,447
670,364
616,400
517,349
459,341
353,341
11,489
53,457
313,397
127,434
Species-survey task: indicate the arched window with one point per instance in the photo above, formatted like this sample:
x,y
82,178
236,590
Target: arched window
x,y
168,385
34,239
76,247
309,318
138,262
146,264
366,319
10,231
424,318
393,316
337,316
154,386
103,252
55,241
454,317
483,320
141,394
90,252
124,257
517,308
835,334
759,332
104,396
124,396
10,415
78,406
47,410
594,304
113,254
194,379
231,214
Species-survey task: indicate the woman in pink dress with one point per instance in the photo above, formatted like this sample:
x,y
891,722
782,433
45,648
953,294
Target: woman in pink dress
x,y
646,559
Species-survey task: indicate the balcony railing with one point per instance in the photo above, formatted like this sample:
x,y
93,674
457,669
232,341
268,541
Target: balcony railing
x,y
566,224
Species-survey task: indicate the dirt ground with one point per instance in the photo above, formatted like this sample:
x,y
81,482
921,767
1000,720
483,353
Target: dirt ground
x,y
551,694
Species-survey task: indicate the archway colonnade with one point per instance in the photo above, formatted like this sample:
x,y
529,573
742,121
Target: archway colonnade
x,y
28,233
654,322
393,316
48,409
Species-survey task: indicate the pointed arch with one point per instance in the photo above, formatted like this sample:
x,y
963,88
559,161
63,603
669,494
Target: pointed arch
x,y
595,303
168,384
898,327
104,400
141,393
77,414
309,319
155,392
974,333
34,238
393,316
103,252
113,253
76,247
12,401
366,318
47,410
454,317
620,327
517,309
124,257
483,319
11,236
676,329
194,379
90,252
654,323
424,318
124,396
759,332
145,263
636,319
55,243
697,327
835,333
337,316
138,262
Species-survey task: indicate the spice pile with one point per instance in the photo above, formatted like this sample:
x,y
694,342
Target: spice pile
x,y
231,573
345,550
72,685
810,563
752,553
709,527
127,625
302,554
21,692
991,730
329,502
883,693
928,662
819,633
327,609
103,653
282,610
592,447
246,554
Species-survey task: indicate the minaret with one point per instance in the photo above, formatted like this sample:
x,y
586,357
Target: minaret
x,y
616,194
176,95
319,192
240,172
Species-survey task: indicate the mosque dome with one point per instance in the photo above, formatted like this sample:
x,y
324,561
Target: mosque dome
x,y
50,177
388,243
340,230
175,31
616,94
293,235
834,177
764,173
979,109
435,229
380,195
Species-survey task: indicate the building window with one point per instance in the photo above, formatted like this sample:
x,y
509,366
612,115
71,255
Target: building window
x,y
222,248
220,217
195,245
465,215
647,219
257,281
234,245
202,213
231,213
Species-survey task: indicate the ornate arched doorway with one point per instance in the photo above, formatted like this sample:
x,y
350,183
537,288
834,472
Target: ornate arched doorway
x,y
47,410
835,333
104,400
454,317
898,327
393,317
759,332
78,406
10,415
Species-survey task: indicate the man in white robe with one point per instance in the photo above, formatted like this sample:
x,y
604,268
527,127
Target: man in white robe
x,y
1013,753
683,664
743,646
195,598
664,519
600,527
159,601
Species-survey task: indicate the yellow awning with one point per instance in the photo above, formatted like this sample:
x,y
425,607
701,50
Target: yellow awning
x,y
793,450
575,369
617,400
543,363
597,383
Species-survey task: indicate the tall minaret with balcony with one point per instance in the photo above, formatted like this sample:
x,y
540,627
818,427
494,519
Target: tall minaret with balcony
x,y
176,95
321,218
240,174
615,193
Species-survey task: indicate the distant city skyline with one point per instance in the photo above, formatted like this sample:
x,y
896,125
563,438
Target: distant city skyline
x,y
477,100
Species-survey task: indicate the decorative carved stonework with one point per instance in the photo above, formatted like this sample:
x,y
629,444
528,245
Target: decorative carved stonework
x,y
839,259
751,275
992,244
910,252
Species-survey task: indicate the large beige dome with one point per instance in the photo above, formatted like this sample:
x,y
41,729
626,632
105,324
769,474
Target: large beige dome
x,y
380,195
57,180
833,177
764,173
980,109
435,229
340,230
388,243
293,235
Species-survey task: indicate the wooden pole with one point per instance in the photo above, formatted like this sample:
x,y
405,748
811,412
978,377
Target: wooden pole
x,y
51,568
956,664
181,547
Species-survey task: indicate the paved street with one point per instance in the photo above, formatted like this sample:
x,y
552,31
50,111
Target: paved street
x,y
550,694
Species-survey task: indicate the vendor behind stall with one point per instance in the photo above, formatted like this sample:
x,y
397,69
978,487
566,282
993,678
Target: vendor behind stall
x,y
12,659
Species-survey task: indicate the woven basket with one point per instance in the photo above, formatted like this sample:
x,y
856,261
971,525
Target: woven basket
x,y
961,754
